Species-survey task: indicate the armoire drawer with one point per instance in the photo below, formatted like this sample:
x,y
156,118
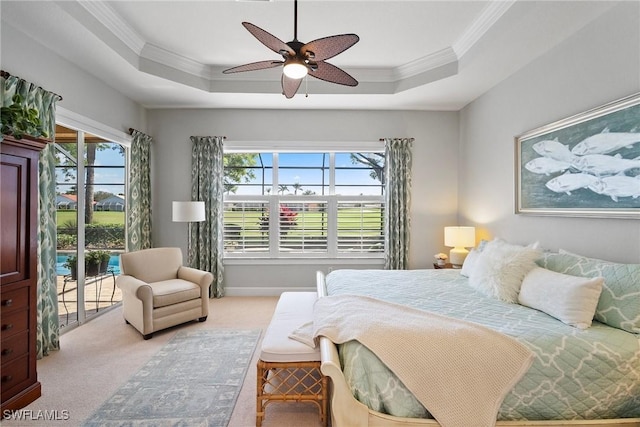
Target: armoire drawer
x,y
13,374
16,299
14,323
14,347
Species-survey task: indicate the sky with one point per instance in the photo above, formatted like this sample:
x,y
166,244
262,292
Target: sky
x,y
305,169
103,176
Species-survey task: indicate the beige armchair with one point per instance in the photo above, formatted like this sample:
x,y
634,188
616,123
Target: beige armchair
x,y
159,292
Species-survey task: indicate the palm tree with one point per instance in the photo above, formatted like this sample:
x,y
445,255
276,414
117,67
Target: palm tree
x,y
282,188
296,186
374,160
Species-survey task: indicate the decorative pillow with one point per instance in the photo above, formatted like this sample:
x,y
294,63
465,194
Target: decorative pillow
x,y
570,299
500,268
619,303
470,260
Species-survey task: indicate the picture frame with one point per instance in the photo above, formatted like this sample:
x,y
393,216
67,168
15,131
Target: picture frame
x,y
586,165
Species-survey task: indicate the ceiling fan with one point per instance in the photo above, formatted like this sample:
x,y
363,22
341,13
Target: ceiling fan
x,y
301,59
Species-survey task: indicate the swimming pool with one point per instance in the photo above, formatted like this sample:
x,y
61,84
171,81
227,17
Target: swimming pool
x,y
114,264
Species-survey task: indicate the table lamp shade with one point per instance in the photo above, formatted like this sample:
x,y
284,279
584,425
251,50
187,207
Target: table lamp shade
x,y
459,238
188,211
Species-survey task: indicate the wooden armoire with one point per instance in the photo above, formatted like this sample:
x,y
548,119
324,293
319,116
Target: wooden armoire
x,y
18,272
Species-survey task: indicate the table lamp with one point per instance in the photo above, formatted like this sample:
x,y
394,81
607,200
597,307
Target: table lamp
x,y
459,238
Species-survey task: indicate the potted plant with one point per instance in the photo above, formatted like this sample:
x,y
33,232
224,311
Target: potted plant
x,y
92,263
441,258
104,256
72,264
18,120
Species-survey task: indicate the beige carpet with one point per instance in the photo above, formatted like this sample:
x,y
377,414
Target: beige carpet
x,y
98,357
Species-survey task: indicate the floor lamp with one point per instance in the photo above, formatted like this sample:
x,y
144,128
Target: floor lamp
x,y
188,212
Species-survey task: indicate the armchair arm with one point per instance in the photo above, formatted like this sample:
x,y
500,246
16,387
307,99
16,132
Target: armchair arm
x,y
202,278
137,287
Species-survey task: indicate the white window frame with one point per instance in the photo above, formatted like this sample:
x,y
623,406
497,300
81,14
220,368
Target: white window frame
x,y
231,147
84,125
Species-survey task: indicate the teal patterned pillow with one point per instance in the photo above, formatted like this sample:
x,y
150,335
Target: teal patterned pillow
x,y
619,303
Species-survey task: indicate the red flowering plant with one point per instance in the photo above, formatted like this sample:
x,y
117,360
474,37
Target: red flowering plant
x,y
288,220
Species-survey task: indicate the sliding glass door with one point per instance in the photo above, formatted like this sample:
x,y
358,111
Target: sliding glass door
x,y
91,206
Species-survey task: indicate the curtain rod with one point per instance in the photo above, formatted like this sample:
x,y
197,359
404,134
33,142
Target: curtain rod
x,y
5,74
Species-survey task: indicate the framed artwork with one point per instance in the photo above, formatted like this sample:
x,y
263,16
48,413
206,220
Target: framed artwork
x,y
585,165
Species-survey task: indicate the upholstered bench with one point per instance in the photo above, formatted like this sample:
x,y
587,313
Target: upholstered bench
x,y
288,370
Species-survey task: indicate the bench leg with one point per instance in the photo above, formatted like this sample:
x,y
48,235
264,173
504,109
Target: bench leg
x,y
261,376
292,375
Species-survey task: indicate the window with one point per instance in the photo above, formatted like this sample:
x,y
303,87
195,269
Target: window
x,y
310,204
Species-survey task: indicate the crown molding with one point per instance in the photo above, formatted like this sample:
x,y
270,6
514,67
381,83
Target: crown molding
x,y
171,59
480,26
113,22
426,63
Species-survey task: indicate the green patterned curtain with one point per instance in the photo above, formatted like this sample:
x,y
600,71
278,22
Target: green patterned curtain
x,y
398,202
48,328
139,212
34,97
207,184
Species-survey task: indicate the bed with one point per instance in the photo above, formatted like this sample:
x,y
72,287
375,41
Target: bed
x,y
579,376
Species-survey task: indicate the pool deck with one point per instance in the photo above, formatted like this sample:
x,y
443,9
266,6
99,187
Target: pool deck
x,y
100,292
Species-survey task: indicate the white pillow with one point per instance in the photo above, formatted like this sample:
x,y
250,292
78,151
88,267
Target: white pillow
x,y
469,262
570,299
500,268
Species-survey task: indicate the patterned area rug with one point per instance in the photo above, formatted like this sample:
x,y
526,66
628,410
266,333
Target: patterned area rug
x,y
194,380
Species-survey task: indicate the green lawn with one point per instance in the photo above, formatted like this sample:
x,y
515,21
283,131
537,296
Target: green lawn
x,y
314,222
101,217
348,219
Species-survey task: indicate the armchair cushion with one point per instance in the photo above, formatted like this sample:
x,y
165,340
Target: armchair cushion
x,y
173,291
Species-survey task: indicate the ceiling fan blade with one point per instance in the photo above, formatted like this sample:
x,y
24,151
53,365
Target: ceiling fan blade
x,y
268,39
290,86
261,65
328,47
331,73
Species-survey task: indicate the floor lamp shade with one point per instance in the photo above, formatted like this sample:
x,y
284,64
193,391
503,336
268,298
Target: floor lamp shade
x,y
188,211
460,238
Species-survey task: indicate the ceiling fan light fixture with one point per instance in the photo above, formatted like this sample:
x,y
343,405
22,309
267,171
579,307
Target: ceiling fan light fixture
x,y
301,59
295,69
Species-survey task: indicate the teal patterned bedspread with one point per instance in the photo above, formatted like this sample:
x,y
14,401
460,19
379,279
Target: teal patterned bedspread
x,y
576,374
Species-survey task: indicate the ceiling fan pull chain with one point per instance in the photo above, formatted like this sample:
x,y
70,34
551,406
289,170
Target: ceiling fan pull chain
x,y
306,86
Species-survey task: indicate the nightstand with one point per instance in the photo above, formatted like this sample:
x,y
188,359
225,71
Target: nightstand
x,y
447,265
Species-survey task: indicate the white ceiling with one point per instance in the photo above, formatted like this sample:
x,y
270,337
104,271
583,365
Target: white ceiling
x,y
414,55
